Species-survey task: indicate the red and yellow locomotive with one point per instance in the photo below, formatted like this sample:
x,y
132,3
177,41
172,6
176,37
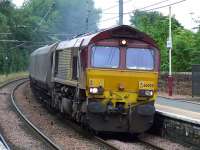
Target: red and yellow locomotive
x,y
106,81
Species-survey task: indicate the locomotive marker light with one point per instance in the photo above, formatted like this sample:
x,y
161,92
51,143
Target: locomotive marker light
x,y
169,46
123,42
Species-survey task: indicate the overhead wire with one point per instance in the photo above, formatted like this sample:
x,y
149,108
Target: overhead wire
x,y
166,5
16,41
40,23
143,8
154,4
111,7
108,19
5,33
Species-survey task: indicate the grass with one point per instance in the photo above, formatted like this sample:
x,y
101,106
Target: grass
x,y
12,76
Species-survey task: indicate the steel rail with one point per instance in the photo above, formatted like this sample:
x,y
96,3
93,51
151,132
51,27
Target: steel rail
x,y
43,136
71,124
4,142
4,84
99,140
150,144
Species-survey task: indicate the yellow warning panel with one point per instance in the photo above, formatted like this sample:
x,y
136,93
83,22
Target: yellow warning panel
x,y
146,85
95,82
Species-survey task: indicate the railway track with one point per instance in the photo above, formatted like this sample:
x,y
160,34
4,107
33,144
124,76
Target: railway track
x,y
3,143
12,85
151,145
109,145
31,125
48,140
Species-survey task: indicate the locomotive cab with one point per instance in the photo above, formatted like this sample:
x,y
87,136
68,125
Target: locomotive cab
x,y
121,80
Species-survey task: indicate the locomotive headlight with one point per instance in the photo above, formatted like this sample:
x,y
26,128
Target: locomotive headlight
x,y
93,90
149,93
146,93
96,90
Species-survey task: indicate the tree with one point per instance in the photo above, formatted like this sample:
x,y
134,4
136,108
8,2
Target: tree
x,y
68,17
156,25
40,22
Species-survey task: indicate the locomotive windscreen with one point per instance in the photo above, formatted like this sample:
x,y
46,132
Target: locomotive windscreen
x,y
135,58
140,59
105,57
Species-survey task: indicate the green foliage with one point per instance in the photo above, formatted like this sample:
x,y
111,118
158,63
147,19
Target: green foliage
x,y
186,47
183,50
40,22
196,51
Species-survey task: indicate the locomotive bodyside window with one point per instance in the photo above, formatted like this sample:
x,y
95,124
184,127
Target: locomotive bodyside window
x,y
105,57
140,59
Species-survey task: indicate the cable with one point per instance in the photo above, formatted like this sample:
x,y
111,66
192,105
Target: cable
x,y
166,5
171,4
132,12
157,3
16,41
154,4
146,10
5,33
36,28
114,6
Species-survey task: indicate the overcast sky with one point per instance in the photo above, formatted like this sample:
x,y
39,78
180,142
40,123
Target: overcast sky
x,y
184,12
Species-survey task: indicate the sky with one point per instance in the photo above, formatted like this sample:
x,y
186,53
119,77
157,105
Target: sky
x,y
186,12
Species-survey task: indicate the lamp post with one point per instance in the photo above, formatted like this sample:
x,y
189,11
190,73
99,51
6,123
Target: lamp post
x,y
120,12
6,58
169,46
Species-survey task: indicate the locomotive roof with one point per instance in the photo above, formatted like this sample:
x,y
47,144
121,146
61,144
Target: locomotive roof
x,y
43,50
123,31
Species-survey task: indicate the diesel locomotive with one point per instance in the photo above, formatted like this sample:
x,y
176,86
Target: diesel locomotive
x,y
106,81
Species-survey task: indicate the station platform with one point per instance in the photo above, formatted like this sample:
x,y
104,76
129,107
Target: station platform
x,y
179,109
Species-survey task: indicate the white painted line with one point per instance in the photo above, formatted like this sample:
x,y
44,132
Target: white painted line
x,y
180,100
179,117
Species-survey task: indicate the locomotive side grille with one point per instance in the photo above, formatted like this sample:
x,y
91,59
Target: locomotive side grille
x,y
63,62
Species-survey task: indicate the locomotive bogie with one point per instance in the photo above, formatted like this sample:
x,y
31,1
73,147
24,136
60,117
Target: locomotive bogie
x,y
137,120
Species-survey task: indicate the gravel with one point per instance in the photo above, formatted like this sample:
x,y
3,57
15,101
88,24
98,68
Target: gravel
x,y
63,135
158,142
12,128
121,145
162,142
